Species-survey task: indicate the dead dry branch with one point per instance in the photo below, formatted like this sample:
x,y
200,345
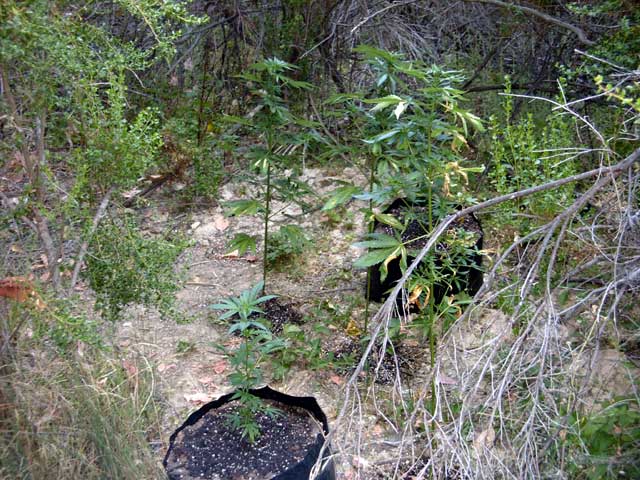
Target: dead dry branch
x,y
497,401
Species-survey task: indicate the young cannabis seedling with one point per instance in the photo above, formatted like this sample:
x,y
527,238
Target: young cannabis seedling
x,y
247,359
244,305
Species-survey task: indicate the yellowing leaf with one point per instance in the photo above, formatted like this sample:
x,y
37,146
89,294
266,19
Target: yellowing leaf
x,y
414,298
352,329
389,259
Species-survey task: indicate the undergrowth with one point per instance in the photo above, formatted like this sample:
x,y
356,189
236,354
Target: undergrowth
x,y
86,413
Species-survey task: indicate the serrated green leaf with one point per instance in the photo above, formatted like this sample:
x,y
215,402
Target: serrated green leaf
x,y
236,120
382,136
243,207
378,240
340,196
375,257
342,97
384,102
242,243
390,220
289,329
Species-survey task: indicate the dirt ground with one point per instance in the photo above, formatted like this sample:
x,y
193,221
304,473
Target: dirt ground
x,y
323,280
325,274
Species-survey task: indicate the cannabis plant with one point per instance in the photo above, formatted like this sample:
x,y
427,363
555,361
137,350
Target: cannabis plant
x,y
416,132
246,360
275,125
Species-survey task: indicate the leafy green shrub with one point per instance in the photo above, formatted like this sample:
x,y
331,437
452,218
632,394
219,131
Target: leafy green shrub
x,y
116,151
124,267
606,444
65,326
524,154
286,244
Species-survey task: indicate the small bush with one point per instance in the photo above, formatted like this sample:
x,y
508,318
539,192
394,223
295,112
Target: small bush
x,y
124,267
285,245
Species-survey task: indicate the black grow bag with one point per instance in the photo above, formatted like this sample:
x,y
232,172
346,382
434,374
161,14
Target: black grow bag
x,y
469,277
299,471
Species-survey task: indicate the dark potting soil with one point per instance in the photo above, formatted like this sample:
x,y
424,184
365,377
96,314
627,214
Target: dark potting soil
x,y
280,314
213,449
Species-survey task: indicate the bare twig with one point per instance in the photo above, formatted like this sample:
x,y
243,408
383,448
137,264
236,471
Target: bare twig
x,y
102,208
537,13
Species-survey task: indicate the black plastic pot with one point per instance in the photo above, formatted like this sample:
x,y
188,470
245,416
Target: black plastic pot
x,y
469,278
299,471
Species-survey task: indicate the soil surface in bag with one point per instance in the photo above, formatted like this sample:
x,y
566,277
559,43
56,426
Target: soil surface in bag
x,y
213,449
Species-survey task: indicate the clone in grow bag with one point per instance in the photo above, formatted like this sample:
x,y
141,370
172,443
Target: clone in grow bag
x,y
464,275
206,446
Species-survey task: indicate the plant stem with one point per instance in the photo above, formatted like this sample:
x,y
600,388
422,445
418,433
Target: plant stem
x,y
372,178
266,227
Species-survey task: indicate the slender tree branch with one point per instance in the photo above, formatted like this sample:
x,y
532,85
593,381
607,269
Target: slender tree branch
x,y
515,86
483,64
102,208
543,16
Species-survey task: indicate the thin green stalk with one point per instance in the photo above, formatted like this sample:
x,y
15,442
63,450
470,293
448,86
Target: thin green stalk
x,y
372,178
430,208
266,227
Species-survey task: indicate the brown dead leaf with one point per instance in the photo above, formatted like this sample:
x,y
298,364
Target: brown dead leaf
x,y
444,380
21,290
17,160
17,288
132,370
234,254
131,193
220,222
16,249
484,439
220,366
44,278
411,342
251,258
165,368
198,398
337,379
232,343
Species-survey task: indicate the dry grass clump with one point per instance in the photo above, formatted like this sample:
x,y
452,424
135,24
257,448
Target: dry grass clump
x,y
86,413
